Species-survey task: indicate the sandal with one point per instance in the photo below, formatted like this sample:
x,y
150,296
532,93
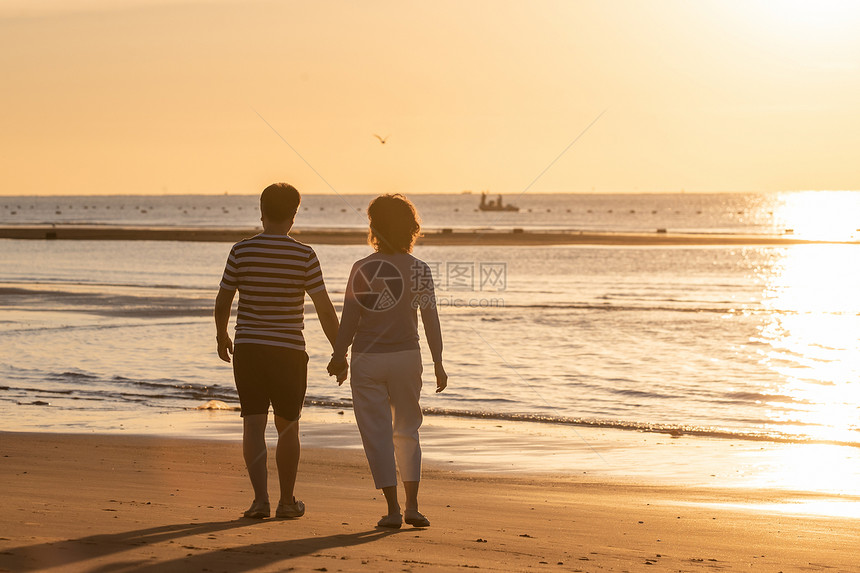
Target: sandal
x,y
293,510
258,510
391,521
415,519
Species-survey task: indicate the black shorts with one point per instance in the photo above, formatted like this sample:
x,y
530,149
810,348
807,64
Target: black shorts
x,y
270,375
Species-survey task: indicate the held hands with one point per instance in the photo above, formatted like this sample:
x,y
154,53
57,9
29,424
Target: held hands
x,y
225,347
441,377
338,366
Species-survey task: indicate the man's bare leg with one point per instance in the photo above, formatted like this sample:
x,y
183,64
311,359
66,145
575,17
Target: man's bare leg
x,y
287,457
254,451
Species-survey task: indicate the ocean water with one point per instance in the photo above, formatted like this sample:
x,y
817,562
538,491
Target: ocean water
x,y
750,343
818,215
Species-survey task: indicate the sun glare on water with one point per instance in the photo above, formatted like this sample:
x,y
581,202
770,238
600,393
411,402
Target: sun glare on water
x,y
820,215
812,339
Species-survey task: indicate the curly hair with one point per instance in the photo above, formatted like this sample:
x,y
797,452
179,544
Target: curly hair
x,y
394,224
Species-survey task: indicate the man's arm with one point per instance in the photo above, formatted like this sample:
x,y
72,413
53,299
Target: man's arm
x,y
223,305
349,319
326,314
328,320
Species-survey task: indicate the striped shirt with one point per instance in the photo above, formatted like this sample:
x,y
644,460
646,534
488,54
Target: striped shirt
x,y
272,274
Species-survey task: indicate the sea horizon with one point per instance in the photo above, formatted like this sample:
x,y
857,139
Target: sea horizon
x,y
818,215
490,192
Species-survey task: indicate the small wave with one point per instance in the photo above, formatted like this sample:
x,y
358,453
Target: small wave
x,y
608,307
674,430
72,376
34,403
482,400
763,397
64,282
172,388
790,423
108,303
328,403
635,393
164,383
82,385
101,327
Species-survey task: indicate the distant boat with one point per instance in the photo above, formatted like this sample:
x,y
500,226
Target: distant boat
x,y
495,205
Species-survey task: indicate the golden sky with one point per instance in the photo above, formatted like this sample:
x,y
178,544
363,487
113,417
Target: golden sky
x,y
114,97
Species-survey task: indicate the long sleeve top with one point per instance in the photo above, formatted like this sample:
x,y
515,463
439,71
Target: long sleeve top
x,y
383,296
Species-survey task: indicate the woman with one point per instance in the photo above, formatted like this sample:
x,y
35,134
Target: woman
x,y
380,320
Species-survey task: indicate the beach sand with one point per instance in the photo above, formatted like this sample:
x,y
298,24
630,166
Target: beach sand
x,y
145,503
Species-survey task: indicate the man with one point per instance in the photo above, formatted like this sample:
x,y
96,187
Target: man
x,y
272,272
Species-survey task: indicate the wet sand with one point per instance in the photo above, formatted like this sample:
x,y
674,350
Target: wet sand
x,y
430,237
126,503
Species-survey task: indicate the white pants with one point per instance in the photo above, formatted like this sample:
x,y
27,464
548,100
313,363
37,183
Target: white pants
x,y
385,391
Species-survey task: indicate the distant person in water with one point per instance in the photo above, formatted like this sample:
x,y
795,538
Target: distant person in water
x,y
272,272
384,293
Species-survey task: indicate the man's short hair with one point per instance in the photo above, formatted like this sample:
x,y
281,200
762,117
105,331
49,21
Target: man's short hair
x,y
279,202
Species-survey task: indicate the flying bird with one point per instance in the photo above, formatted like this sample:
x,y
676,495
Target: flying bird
x,y
381,139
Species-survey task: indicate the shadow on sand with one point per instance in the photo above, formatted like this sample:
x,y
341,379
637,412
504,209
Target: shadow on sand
x,y
237,558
